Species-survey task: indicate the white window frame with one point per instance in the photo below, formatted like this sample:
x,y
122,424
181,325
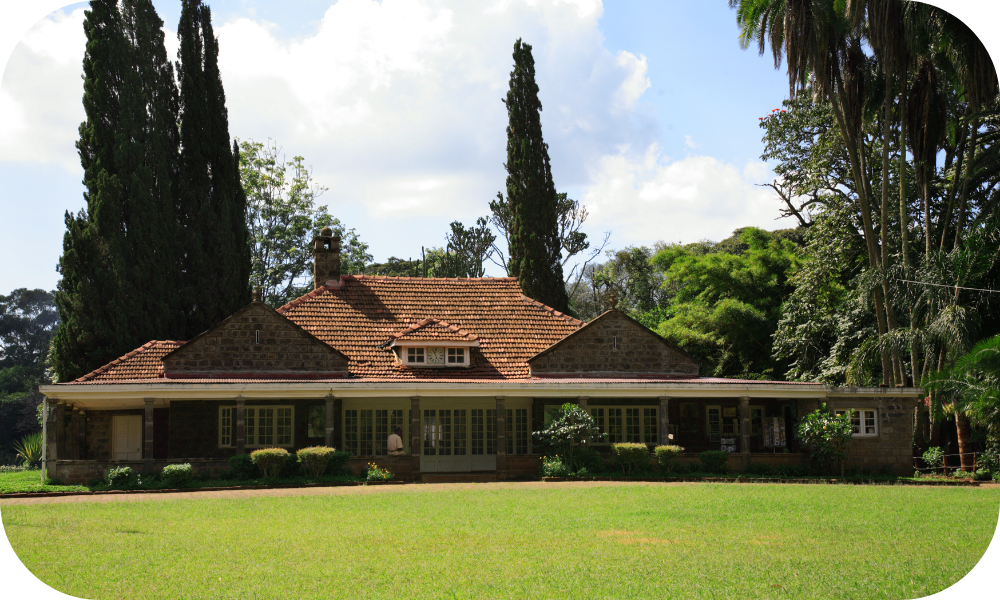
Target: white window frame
x,y
649,424
459,354
413,353
353,415
274,425
416,356
862,416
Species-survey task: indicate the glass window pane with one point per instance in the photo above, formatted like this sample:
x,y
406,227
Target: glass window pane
x,y
856,421
225,427
650,426
316,427
265,426
491,431
381,432
520,431
283,426
869,422
366,433
444,427
430,432
632,424
477,431
598,415
351,431
616,432
509,432
250,426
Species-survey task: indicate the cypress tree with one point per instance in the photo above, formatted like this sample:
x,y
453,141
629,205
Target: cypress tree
x,y
534,230
216,256
118,252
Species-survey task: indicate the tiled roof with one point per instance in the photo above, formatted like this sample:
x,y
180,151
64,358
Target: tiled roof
x,y
434,330
365,311
484,380
141,363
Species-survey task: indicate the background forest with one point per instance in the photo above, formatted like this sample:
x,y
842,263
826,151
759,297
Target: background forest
x,y
884,152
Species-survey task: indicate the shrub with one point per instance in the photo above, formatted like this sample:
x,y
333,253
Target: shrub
x,y
241,466
960,474
553,466
313,460
588,459
630,456
269,460
291,468
12,469
571,427
337,463
29,449
123,478
375,473
759,469
177,475
668,457
933,457
828,437
982,475
714,461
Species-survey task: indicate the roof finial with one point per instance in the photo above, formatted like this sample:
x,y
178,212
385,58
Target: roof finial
x,y
612,301
257,294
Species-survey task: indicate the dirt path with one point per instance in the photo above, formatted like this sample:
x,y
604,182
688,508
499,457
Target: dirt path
x,y
325,491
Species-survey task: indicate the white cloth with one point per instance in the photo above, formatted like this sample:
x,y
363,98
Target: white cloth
x,y
395,443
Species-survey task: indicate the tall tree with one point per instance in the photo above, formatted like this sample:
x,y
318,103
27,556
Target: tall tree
x,y
118,264
215,240
535,249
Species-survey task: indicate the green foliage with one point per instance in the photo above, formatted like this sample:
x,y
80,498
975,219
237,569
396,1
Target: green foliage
x,y
241,466
283,218
630,457
554,466
123,478
177,476
291,467
336,464
714,461
570,427
466,250
974,384
933,457
725,307
534,244
270,461
29,450
828,437
588,459
376,473
314,459
668,457
12,469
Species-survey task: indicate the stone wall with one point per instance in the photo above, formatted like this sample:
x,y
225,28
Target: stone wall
x,y
259,341
613,344
100,432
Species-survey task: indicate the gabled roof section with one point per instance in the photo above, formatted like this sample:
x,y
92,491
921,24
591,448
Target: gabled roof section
x,y
613,345
360,316
141,363
255,342
434,330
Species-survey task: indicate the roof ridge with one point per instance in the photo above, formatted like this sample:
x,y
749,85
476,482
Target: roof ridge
x,y
428,321
122,359
552,311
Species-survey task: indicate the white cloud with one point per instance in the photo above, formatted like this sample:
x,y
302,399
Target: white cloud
x,y
40,99
690,143
647,198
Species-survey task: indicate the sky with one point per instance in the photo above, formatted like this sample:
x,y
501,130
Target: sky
x,y
650,112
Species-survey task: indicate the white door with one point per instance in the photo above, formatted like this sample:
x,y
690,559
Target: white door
x,y
458,439
127,437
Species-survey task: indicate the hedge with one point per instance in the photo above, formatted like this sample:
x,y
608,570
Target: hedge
x,y
270,460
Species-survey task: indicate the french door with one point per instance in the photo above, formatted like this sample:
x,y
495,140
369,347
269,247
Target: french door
x,y
127,437
458,439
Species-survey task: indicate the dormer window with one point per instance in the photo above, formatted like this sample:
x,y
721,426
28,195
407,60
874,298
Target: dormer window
x,y
433,343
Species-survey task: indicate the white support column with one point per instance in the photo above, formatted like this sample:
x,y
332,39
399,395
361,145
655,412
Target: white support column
x,y
329,421
665,421
241,432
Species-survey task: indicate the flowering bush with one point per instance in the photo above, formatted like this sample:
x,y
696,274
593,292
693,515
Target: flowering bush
x,y
571,427
827,436
933,457
123,478
269,460
553,466
376,473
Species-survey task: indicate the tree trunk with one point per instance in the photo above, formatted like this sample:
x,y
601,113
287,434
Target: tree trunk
x,y
903,213
965,182
964,435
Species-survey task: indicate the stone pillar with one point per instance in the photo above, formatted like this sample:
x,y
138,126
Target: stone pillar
x,y
501,433
241,423
665,421
328,440
582,402
415,444
52,432
745,430
81,433
147,437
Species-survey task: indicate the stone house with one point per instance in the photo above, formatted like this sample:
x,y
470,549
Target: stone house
x,y
467,368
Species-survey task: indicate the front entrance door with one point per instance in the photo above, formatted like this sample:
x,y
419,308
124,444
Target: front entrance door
x,y
127,436
458,439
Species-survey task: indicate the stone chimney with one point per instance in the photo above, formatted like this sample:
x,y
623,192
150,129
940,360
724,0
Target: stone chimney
x,y
326,259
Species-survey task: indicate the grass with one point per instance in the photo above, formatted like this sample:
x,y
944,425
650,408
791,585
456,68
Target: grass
x,y
517,541
30,481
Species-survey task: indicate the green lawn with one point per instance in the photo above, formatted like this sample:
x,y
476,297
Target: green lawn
x,y
530,541
31,481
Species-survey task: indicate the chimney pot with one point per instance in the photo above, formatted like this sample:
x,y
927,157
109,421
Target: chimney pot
x,y
258,294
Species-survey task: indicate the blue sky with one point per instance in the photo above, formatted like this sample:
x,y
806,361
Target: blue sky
x,y
650,113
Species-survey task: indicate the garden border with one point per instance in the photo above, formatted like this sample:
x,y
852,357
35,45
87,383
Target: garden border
x,y
197,489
